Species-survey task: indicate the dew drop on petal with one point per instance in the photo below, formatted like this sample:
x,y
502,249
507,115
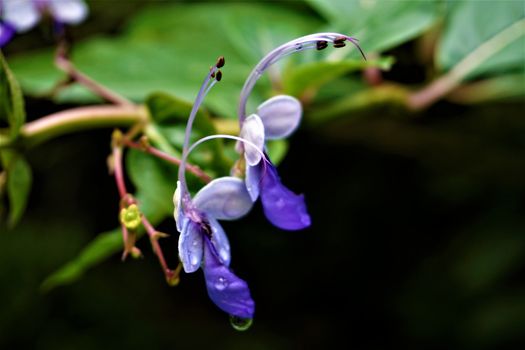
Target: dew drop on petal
x,y
240,324
221,283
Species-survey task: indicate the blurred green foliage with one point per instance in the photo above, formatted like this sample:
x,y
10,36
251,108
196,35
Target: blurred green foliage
x,y
426,224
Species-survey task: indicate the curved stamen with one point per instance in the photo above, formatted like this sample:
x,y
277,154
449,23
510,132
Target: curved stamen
x,y
211,79
313,41
185,196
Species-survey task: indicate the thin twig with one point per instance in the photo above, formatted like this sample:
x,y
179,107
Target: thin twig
x,y
63,63
195,170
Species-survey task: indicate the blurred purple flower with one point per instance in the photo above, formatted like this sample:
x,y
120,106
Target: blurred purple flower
x,y
21,15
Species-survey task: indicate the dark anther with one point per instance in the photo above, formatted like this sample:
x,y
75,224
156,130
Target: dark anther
x,y
339,40
322,45
219,75
220,62
207,229
339,44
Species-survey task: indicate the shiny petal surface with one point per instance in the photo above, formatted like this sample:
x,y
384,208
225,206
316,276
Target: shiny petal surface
x,y
68,11
225,198
177,204
220,242
230,293
6,33
282,207
190,246
253,180
280,115
22,15
253,131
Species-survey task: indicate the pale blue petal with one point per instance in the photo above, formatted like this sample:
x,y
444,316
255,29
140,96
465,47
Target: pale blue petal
x,y
220,242
225,198
191,245
253,180
230,293
253,131
22,15
280,115
68,11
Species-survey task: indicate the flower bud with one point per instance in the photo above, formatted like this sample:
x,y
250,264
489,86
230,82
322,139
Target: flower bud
x,y
130,217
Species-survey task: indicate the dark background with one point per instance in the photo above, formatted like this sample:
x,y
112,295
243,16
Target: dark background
x,y
417,241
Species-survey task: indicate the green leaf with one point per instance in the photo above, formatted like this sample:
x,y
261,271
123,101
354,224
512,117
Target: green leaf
x,y
277,149
18,184
471,25
11,99
171,115
155,179
102,247
169,47
311,76
379,25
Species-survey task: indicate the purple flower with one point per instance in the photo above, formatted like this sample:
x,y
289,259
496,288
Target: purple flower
x,y
22,15
202,241
277,118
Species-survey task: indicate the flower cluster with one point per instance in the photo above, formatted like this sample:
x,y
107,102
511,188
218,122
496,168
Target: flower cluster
x,y
18,16
202,241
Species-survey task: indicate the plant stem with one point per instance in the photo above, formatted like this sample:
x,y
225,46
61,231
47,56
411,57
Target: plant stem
x,y
63,63
448,82
195,170
81,118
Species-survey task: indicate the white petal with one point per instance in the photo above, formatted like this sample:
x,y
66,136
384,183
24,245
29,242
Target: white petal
x,y
177,212
190,246
253,180
225,198
220,242
280,115
68,11
253,131
21,14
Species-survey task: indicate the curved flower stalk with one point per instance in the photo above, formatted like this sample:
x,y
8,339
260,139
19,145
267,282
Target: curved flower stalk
x,y
202,241
21,15
277,118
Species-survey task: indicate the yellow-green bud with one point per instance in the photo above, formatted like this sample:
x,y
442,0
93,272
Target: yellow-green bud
x,y
130,217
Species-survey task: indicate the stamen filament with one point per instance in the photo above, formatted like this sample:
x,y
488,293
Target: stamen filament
x,y
300,44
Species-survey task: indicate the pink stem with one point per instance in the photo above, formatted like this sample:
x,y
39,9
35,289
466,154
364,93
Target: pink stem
x,y
195,170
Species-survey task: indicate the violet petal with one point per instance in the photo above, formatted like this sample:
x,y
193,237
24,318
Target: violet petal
x,y
230,293
6,33
253,180
220,242
190,246
282,207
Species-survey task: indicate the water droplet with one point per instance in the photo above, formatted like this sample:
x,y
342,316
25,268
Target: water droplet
x,y
239,323
280,203
221,283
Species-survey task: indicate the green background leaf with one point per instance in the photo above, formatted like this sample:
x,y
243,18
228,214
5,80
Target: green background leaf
x,y
470,24
11,99
379,25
